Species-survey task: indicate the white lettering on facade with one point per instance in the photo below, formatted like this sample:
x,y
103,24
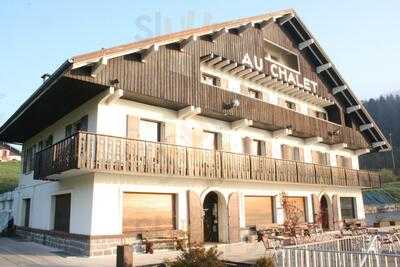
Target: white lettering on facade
x,y
281,72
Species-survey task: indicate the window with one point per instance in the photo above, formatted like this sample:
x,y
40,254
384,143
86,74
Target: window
x,y
27,211
344,162
150,130
258,210
290,105
254,94
29,156
49,141
318,114
148,211
256,147
62,213
210,79
291,153
320,158
347,207
210,140
298,204
80,125
280,55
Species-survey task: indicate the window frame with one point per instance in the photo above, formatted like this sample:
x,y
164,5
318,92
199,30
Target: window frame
x,y
269,58
159,127
216,80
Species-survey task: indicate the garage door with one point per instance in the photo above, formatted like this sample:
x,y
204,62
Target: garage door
x,y
148,211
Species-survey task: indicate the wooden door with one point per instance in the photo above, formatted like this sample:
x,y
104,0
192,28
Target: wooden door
x,y
62,213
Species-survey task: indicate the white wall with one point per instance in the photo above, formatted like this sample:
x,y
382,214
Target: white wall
x,y
108,192
42,203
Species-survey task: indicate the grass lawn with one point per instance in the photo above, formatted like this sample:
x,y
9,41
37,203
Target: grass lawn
x,y
9,175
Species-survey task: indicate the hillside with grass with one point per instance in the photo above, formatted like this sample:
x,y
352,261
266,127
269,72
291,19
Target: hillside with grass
x,y
9,174
390,184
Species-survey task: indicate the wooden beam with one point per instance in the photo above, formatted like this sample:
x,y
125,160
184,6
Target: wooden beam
x,y
360,152
188,112
324,67
147,52
115,95
221,64
229,67
306,43
182,44
339,89
99,66
339,146
366,126
243,123
269,82
237,69
353,108
378,144
241,29
215,35
286,18
214,61
250,75
261,25
264,79
257,77
281,133
244,72
313,140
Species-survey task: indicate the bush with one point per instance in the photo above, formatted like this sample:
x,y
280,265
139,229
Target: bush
x,y
198,257
265,262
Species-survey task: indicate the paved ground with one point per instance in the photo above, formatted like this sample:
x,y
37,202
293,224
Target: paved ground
x,y
20,253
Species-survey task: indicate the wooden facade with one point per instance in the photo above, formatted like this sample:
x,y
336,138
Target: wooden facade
x,y
176,84
94,152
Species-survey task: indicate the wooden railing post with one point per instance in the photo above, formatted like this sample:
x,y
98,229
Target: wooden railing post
x,y
315,174
297,171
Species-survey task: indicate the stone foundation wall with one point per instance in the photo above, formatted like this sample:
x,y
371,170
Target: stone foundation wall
x,y
84,245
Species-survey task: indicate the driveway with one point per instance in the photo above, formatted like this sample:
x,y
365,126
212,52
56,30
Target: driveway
x,y
20,253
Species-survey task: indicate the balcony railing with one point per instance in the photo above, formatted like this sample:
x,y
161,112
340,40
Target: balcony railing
x,y
96,152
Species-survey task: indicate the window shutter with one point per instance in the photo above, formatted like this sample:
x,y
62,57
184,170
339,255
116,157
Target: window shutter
x,y
339,162
132,127
301,154
285,152
223,142
168,133
197,137
247,145
348,163
315,157
264,151
328,159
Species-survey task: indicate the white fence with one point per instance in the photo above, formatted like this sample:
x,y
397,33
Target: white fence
x,y
299,257
382,250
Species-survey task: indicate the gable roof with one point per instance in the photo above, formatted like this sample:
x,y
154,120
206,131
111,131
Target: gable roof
x,y
288,19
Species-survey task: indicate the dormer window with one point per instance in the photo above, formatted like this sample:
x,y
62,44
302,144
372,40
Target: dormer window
x,y
281,56
210,79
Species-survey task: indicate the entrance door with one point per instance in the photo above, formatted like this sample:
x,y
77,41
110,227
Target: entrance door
x,y
210,207
324,213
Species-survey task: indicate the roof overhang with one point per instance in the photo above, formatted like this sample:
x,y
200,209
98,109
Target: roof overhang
x,y
341,90
57,96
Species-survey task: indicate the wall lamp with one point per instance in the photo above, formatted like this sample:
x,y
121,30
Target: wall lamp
x,y
234,103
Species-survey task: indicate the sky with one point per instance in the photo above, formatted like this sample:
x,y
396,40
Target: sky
x,y
360,37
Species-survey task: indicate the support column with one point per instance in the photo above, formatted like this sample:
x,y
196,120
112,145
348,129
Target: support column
x,y
316,209
279,212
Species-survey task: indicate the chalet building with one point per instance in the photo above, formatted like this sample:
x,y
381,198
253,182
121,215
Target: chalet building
x,y
9,153
199,131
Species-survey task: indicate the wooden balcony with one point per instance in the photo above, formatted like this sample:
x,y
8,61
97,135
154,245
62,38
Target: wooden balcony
x,y
94,152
